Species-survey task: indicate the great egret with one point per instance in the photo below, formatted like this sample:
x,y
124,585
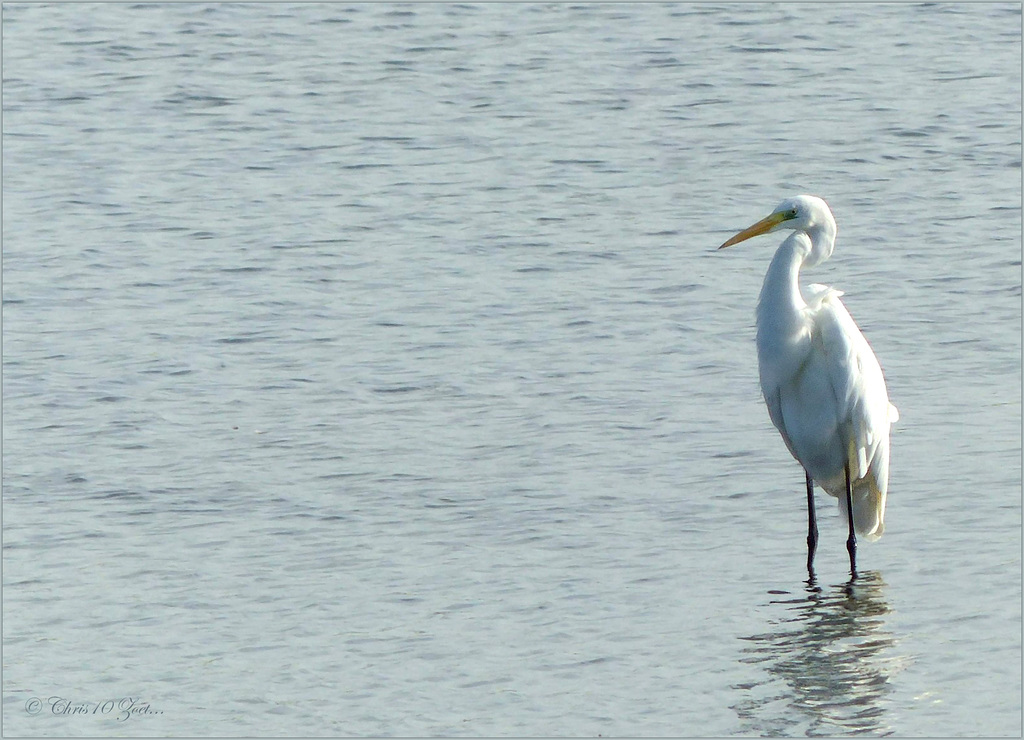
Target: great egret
x,y
822,384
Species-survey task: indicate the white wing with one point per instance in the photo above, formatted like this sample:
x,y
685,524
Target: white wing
x,y
834,408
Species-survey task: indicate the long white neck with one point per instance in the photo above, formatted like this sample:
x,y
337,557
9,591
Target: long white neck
x,y
780,306
783,326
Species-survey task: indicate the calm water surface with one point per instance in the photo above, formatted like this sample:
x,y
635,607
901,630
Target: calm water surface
x,y
370,369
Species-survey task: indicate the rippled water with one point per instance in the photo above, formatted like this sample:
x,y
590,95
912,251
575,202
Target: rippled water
x,y
371,370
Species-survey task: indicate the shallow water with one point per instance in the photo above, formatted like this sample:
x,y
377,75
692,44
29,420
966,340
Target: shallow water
x,y
370,370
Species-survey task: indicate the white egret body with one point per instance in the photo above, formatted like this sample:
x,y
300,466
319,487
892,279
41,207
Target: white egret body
x,y
821,381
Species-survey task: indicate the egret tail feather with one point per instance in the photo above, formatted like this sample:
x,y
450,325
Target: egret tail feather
x,y
868,509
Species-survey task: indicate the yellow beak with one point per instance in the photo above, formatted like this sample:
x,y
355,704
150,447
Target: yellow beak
x,y
765,224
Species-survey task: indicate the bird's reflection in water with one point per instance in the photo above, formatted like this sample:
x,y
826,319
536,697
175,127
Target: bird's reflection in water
x,y
834,657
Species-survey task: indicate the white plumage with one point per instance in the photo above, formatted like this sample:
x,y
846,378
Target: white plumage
x,y
821,381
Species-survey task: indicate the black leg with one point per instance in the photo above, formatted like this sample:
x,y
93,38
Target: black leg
x,y
851,541
812,527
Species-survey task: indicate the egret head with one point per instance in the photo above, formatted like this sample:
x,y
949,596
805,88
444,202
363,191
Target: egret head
x,y
805,213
